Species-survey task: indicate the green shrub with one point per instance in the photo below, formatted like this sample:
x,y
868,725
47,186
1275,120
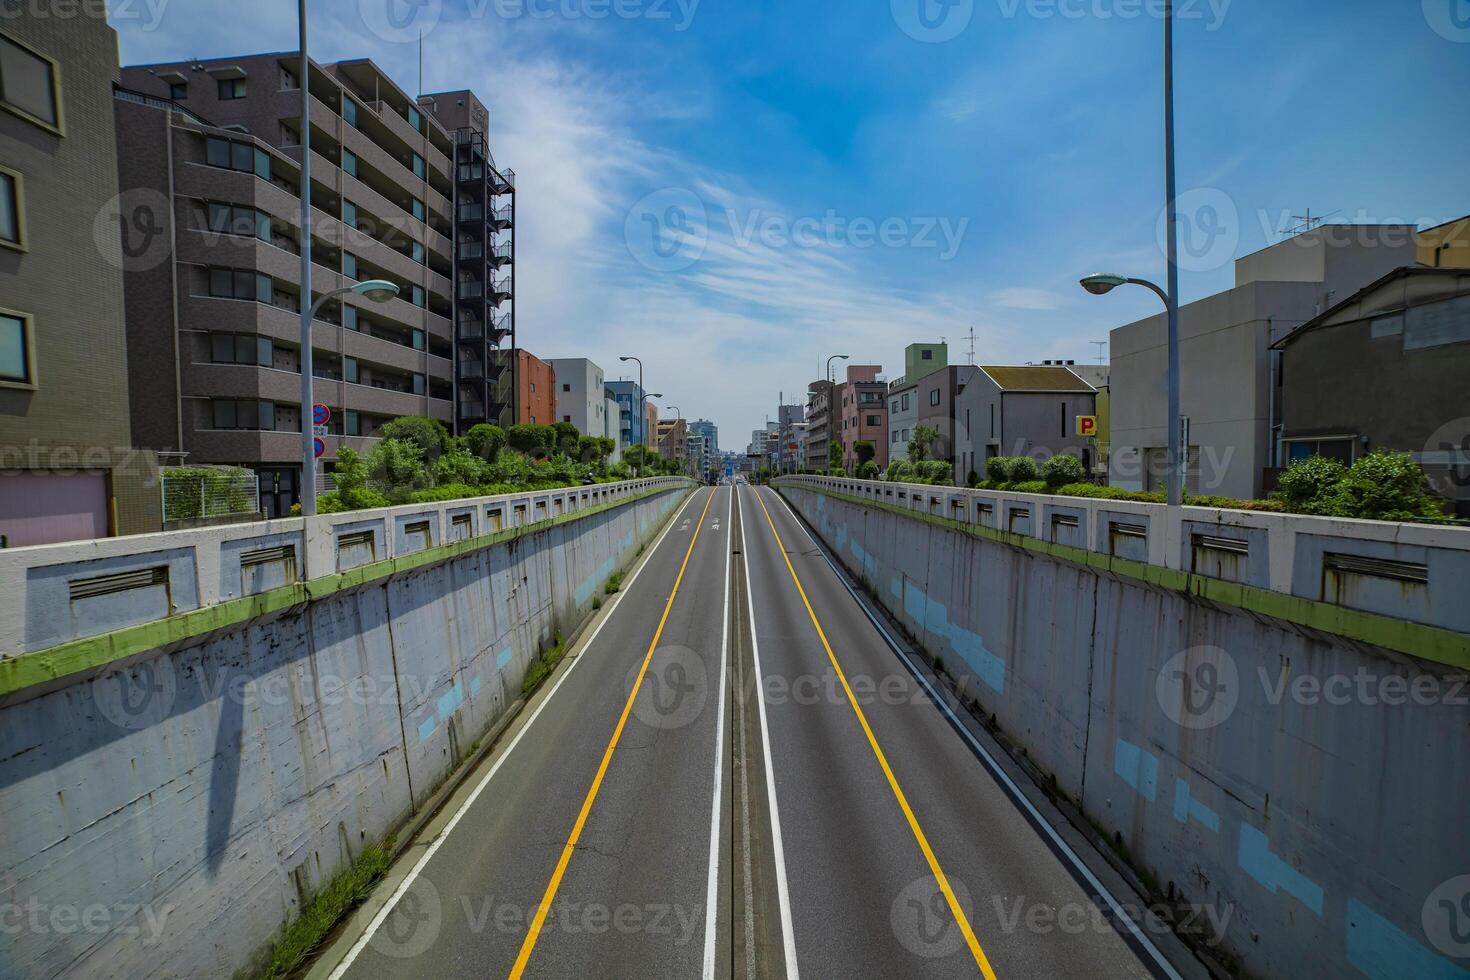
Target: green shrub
x,y
995,469
193,492
1031,486
935,472
1061,469
396,466
1305,485
1383,486
868,471
485,441
428,434
900,471
1021,469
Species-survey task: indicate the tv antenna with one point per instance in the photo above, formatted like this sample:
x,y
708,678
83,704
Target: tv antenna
x,y
1308,221
1100,344
972,346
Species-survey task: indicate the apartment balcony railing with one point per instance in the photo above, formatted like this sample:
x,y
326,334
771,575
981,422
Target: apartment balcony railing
x,y
470,369
472,289
468,172
472,409
502,218
470,252
502,181
500,254
500,328
472,212
498,289
471,328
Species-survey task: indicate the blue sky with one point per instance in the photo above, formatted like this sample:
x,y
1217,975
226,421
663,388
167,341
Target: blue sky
x,y
734,189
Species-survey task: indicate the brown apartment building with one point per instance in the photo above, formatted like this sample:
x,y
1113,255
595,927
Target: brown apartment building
x,y
862,414
209,155
536,389
66,467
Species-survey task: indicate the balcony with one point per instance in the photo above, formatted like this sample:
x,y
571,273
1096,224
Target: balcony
x,y
470,253
498,289
471,327
502,218
470,369
500,254
502,181
500,328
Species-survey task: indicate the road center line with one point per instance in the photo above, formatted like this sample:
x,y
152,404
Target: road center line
x,y
960,916
712,895
778,849
542,910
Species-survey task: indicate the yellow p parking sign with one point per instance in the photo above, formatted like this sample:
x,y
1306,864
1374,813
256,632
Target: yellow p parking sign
x,y
1087,425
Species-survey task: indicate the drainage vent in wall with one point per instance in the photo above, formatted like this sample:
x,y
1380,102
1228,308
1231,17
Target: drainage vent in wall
x,y
100,585
1399,571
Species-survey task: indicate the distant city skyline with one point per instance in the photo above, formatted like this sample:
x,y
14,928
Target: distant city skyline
x,y
733,192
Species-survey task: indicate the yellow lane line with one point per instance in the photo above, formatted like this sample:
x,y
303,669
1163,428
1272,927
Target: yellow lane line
x,y
954,904
566,854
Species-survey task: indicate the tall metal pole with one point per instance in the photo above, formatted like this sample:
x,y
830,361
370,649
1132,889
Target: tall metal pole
x,y
308,449
1177,455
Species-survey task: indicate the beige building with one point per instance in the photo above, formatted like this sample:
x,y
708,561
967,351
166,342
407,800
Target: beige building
x,y
1227,369
67,469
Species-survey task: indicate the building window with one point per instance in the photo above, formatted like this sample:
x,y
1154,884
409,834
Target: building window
x,y
420,384
240,284
419,254
178,91
419,299
415,119
418,167
566,388
349,111
533,391
349,370
895,436
926,355
244,414
417,208
352,424
874,420
12,211
349,213
1338,449
17,352
239,348
566,418
225,219
29,86
349,265
905,403
238,156
349,162
349,317
419,339
231,89
934,397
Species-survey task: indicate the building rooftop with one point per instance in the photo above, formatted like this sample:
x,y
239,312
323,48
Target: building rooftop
x,y
1036,378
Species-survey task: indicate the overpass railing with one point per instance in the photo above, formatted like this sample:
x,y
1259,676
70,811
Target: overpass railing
x,y
1412,572
53,594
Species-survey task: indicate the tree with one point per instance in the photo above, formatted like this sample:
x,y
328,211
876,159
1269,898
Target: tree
x,y
1382,486
565,438
397,466
864,450
485,441
534,440
1305,485
868,470
428,434
920,444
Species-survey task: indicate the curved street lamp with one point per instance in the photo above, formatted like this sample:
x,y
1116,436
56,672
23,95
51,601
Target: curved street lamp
x,y
642,409
834,357
1102,283
376,290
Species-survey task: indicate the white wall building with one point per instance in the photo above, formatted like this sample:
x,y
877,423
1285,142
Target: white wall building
x,y
581,398
613,424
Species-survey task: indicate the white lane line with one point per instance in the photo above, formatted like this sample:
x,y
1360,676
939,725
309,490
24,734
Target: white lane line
x,y
438,841
1012,790
712,894
778,851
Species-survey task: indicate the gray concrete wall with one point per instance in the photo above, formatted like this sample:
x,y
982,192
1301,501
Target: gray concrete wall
x,y
165,816
1237,761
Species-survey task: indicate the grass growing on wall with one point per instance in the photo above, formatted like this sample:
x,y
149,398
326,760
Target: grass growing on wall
x,y
542,667
614,583
346,891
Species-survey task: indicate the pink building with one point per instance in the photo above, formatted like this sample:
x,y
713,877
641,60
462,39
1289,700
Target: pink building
x,y
862,412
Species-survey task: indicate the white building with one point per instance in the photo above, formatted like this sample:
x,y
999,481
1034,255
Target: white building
x,y
1227,371
581,397
613,424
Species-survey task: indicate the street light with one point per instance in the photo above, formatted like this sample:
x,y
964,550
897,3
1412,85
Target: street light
x,y
642,411
376,290
1102,283
834,357
679,417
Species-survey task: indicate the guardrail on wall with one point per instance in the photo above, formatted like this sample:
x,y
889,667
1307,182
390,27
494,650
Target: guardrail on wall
x,y
53,594
1411,572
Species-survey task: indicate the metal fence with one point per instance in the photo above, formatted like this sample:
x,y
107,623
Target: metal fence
x,y
199,493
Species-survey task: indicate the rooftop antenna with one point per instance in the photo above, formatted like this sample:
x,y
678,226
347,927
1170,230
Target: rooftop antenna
x,y
1307,222
1100,345
972,346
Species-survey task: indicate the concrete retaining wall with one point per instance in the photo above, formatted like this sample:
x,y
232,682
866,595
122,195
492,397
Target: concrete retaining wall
x,y
164,815
1310,790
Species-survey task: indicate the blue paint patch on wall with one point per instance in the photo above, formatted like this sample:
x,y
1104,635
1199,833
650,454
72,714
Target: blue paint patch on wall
x,y
895,588
450,700
1255,857
503,658
426,728
475,688
1137,768
968,644
603,572
1383,951
1185,806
